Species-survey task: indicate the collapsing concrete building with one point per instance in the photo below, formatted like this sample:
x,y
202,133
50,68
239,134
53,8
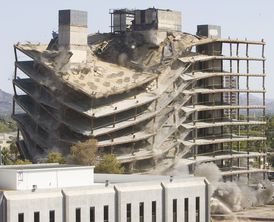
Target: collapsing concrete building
x,y
146,91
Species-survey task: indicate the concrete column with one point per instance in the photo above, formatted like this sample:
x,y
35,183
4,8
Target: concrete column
x,y
73,33
0,155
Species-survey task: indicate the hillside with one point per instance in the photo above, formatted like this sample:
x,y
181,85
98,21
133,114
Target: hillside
x,y
270,106
255,100
5,104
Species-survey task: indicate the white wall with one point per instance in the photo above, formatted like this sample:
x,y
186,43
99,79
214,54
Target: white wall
x,y
117,196
170,20
43,180
181,190
55,178
2,208
134,194
30,202
96,196
74,177
7,179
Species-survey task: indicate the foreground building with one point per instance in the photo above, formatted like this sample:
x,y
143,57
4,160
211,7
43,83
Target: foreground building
x,y
145,91
56,193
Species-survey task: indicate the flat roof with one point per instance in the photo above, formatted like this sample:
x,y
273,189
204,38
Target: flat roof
x,y
42,166
124,178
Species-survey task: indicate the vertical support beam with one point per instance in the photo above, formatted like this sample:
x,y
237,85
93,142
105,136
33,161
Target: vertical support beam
x,y
111,22
231,86
195,129
238,98
15,53
264,163
195,151
132,148
193,95
136,112
263,47
1,162
13,106
92,101
120,21
222,102
247,101
238,164
264,111
155,106
114,120
92,124
14,78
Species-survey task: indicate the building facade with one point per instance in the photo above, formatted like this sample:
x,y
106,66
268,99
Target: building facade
x,y
109,198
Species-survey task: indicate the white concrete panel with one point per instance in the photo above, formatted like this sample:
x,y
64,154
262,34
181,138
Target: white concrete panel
x,y
136,193
72,35
47,177
28,203
96,197
26,180
7,179
169,20
181,190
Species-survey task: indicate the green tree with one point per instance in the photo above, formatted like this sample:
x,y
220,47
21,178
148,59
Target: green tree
x,y
109,164
84,153
271,160
22,162
55,157
7,126
270,131
14,149
6,158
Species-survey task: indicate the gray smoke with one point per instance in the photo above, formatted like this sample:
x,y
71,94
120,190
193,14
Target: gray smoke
x,y
228,197
210,171
123,59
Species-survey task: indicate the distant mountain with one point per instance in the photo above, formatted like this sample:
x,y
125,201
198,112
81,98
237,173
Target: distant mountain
x,y
5,104
270,106
254,100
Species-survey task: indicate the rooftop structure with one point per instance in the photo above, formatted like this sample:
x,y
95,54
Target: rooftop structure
x,y
146,92
113,198
123,20
44,176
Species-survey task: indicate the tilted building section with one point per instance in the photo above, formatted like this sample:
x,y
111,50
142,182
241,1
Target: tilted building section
x,y
148,92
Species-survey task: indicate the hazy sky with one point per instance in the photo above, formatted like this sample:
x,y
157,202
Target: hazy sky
x,y
34,20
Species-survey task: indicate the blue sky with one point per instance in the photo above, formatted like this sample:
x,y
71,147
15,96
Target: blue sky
x,y
33,20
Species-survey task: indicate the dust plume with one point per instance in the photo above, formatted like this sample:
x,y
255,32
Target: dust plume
x,y
229,197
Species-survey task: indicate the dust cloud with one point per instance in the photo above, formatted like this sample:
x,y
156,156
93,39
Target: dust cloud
x,y
229,197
